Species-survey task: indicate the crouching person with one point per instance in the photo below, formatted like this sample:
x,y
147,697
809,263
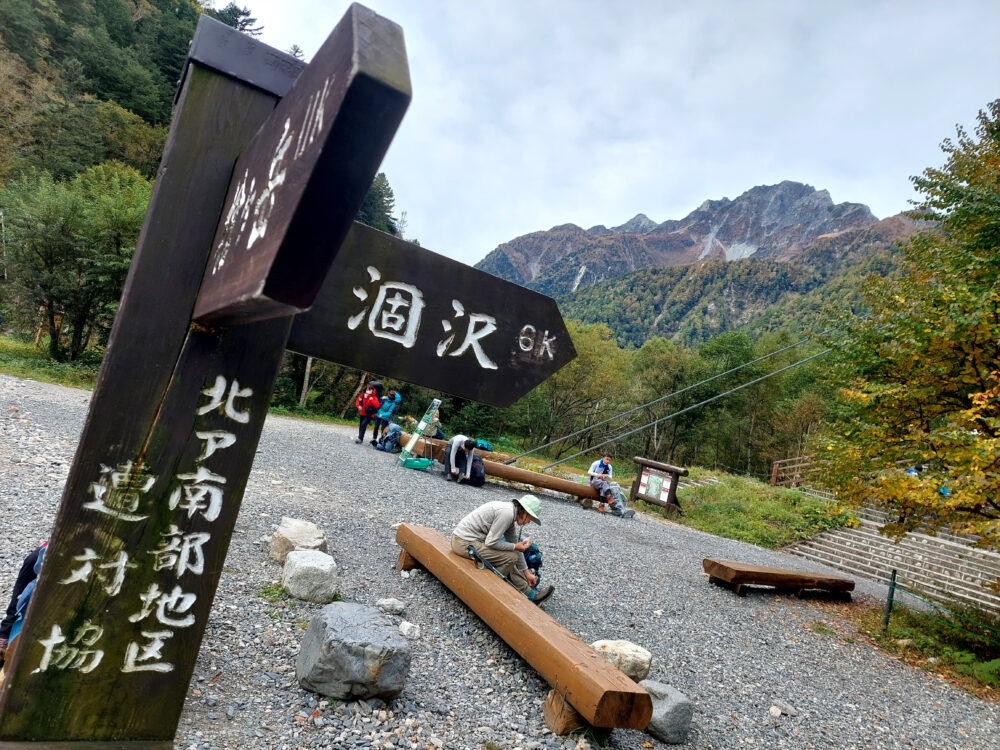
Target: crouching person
x,y
494,530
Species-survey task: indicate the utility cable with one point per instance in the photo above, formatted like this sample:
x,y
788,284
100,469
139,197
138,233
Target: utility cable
x,y
684,411
656,401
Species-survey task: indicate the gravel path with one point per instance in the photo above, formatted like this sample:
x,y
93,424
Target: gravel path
x,y
640,580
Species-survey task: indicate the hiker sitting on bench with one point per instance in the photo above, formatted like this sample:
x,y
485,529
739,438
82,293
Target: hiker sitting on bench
x,y
458,458
493,529
600,479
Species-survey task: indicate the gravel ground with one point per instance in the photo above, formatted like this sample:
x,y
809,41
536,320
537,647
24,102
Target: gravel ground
x,y
639,580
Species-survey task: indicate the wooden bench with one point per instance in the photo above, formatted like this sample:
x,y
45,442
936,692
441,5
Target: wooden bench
x,y
431,448
603,695
737,576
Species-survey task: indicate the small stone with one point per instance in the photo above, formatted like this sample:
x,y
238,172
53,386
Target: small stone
x,y
310,575
672,712
774,711
633,660
391,606
296,534
409,630
784,707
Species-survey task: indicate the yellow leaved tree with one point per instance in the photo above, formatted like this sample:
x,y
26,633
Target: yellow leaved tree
x,y
918,370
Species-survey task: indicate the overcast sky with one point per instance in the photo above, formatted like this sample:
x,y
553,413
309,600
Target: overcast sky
x,y
527,114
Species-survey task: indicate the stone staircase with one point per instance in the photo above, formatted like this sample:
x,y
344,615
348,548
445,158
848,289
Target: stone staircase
x,y
943,567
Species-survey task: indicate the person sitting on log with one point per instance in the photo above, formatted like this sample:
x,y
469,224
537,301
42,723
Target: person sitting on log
x,y
493,529
458,457
433,428
600,479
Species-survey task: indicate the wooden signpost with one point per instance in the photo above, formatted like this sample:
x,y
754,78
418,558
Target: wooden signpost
x,y
390,306
226,256
115,624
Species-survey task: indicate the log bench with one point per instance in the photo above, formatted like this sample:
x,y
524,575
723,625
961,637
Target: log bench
x,y
737,576
603,695
431,448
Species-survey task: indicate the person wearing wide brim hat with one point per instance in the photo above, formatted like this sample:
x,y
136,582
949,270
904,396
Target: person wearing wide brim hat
x,y
494,529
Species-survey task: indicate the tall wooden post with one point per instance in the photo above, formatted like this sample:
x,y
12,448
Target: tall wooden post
x,y
117,618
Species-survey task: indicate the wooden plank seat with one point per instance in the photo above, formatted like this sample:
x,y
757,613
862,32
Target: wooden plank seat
x,y
738,576
431,448
603,695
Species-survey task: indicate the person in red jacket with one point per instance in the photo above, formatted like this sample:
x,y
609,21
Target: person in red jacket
x,y
368,405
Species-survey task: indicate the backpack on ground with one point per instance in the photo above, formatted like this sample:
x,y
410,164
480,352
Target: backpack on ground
x,y
390,441
477,474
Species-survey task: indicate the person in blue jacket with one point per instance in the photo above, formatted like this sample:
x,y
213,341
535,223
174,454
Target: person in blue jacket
x,y
384,416
23,586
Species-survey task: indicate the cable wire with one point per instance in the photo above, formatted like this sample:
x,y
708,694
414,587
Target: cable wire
x,y
684,411
656,401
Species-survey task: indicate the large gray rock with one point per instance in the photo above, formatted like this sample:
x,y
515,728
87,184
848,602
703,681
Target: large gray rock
x,y
631,659
294,533
672,711
310,576
352,652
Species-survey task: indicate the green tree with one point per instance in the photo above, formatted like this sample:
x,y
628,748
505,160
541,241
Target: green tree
x,y
919,375
237,17
657,369
378,205
70,244
589,389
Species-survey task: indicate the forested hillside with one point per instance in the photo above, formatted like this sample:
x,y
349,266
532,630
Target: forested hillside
x,y
87,90
690,304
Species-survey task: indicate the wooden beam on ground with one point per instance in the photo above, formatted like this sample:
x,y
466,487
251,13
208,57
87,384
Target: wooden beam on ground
x,y
431,448
602,694
735,575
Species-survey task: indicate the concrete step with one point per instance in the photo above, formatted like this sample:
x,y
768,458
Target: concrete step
x,y
991,605
921,558
921,572
957,552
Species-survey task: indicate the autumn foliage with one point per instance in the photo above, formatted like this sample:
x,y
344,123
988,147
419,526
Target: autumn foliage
x,y
918,370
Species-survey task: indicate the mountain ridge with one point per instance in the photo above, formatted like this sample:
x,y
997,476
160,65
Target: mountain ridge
x,y
766,221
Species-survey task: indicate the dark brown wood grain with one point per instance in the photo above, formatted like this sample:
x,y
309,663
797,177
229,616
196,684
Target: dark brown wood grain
x,y
143,415
530,341
301,181
737,573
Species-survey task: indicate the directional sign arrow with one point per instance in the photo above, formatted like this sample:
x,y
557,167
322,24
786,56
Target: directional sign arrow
x,y
395,308
302,179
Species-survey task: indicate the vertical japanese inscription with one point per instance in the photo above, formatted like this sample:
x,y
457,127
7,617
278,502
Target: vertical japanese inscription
x,y
168,588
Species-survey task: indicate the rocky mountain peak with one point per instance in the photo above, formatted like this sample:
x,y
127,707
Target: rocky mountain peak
x,y
767,221
638,224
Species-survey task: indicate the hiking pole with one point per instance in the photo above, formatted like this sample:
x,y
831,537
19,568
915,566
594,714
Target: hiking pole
x,y
482,562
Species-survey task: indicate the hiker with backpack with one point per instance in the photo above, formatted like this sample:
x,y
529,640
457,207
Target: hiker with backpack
x,y
600,479
493,530
368,405
384,415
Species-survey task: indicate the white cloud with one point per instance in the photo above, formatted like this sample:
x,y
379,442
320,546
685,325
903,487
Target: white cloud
x,y
526,115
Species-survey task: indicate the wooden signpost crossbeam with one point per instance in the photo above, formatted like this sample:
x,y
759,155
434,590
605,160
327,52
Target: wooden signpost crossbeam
x,y
388,305
115,624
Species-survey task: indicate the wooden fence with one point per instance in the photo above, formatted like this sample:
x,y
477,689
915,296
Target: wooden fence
x,y
791,472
